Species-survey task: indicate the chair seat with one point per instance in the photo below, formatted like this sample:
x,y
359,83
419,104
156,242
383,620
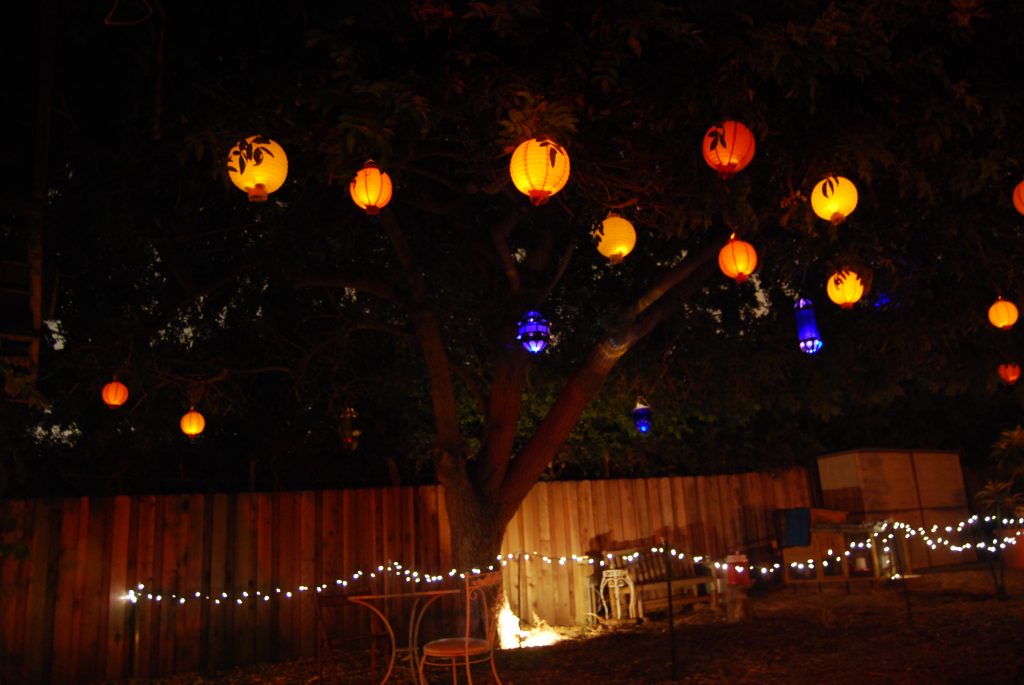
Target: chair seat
x,y
456,646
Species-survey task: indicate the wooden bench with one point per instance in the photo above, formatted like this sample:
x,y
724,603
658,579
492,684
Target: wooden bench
x,y
650,574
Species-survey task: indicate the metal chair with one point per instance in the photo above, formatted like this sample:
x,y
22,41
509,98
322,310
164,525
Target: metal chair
x,y
469,649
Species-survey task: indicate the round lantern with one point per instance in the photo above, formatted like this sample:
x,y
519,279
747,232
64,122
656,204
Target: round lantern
x,y
806,327
845,288
1018,197
737,259
192,423
258,166
617,238
1009,373
534,332
115,394
1003,314
539,168
834,199
642,415
728,147
371,188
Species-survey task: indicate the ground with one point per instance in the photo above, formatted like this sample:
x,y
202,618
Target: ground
x,y
957,632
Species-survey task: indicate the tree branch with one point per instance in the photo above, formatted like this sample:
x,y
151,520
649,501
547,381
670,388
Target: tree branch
x,y
362,284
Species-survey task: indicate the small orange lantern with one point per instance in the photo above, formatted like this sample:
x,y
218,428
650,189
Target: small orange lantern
x,y
845,288
1018,197
1003,314
1009,373
192,423
617,238
371,188
834,199
258,166
737,259
728,148
539,169
115,394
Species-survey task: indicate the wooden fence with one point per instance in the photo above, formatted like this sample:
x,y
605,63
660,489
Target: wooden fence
x,y
63,618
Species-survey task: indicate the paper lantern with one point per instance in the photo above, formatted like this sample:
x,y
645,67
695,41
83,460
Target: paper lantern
x,y
642,415
258,166
192,423
371,188
114,394
1018,197
845,288
1003,314
737,259
617,238
534,332
806,327
834,199
539,169
1009,373
728,148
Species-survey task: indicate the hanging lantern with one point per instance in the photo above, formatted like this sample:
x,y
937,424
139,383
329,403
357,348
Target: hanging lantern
x,y
834,199
806,327
1018,197
115,394
1009,373
371,188
258,166
192,423
539,168
1003,314
728,148
642,415
845,288
349,433
617,238
737,259
534,332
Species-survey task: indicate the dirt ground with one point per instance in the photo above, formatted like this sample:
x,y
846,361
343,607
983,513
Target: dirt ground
x,y
957,632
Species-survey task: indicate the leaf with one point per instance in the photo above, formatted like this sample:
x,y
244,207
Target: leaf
x,y
554,156
257,156
241,164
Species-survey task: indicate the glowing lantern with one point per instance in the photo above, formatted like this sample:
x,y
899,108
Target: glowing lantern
x,y
258,166
349,433
534,332
806,327
115,394
371,188
641,415
1018,197
845,288
1009,373
192,423
728,148
737,259
617,238
1003,314
834,199
539,168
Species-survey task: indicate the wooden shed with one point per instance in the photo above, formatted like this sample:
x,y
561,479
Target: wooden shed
x,y
920,487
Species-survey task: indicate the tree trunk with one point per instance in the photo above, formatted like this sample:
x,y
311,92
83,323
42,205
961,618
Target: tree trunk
x,y
476,529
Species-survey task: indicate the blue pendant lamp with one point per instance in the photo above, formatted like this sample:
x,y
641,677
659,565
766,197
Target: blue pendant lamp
x,y
806,327
534,332
642,415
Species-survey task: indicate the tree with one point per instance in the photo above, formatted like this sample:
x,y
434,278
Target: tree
x,y
276,315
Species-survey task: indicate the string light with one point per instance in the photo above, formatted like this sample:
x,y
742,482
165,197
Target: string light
x,y
884,532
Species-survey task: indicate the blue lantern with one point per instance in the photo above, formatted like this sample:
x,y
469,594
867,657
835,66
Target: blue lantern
x,y
642,415
806,327
534,332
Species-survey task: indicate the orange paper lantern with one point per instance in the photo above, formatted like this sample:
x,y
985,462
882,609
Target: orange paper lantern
x,y
728,148
1003,314
371,188
1018,197
192,423
834,199
616,237
1009,373
539,169
737,259
258,166
845,288
115,394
